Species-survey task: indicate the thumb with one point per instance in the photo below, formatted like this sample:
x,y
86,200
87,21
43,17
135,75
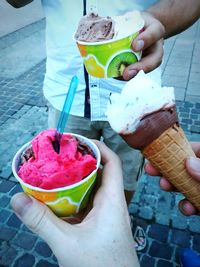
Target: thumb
x,y
37,217
193,167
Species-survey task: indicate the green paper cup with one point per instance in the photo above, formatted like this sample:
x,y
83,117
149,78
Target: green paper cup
x,y
64,201
108,59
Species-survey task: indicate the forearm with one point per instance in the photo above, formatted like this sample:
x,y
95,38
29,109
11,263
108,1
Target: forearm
x,y
176,15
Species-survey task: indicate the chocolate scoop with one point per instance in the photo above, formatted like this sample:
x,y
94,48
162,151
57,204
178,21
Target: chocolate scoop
x,y
151,127
26,155
93,28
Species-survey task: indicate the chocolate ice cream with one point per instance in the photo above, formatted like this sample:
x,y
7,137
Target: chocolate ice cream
x,y
93,28
150,128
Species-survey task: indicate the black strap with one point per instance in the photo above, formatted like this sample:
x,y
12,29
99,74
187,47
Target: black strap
x,y
87,109
84,8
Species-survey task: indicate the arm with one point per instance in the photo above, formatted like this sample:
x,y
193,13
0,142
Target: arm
x,y
162,20
176,15
102,239
19,3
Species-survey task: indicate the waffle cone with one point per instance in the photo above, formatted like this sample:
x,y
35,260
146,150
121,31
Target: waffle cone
x,y
167,153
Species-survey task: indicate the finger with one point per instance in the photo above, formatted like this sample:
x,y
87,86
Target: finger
x,y
112,177
193,167
196,148
148,167
187,208
166,185
37,217
110,196
88,210
112,171
154,31
150,60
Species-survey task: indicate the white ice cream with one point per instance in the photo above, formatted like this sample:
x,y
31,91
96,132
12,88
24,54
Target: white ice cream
x,y
127,24
139,97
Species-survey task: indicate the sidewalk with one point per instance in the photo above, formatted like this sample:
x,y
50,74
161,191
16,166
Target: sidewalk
x,y
23,114
14,19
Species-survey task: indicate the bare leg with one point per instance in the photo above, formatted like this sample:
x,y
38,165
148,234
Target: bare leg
x,y
139,235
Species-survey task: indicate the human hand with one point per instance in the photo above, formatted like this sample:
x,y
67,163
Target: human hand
x,y
103,238
150,42
193,168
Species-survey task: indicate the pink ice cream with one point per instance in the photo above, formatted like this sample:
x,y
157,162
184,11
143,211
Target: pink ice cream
x,y
47,169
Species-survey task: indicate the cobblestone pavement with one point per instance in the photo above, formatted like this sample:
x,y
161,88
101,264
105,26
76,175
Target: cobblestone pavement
x,y
23,114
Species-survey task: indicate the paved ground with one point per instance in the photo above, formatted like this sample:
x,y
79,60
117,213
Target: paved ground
x,y
13,19
23,114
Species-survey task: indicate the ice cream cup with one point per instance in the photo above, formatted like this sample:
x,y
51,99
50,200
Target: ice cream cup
x,y
64,201
108,59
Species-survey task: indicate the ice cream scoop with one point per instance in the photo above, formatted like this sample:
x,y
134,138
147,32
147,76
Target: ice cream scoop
x,y
146,118
139,97
47,169
93,28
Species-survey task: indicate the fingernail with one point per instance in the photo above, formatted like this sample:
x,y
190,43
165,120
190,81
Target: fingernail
x,y
187,208
132,73
20,203
139,45
194,163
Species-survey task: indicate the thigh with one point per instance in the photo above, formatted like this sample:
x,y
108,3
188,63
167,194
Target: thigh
x,y
75,124
53,116
132,160
83,126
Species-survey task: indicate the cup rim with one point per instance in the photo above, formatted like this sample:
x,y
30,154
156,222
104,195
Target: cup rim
x,y
35,188
140,27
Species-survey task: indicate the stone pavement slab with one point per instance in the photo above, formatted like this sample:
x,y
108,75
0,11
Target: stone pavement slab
x,y
181,64
12,19
22,50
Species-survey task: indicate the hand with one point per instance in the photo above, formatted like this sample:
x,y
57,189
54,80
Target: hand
x,y
103,238
150,42
193,168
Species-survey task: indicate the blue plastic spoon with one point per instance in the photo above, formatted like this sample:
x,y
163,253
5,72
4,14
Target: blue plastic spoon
x,y
65,113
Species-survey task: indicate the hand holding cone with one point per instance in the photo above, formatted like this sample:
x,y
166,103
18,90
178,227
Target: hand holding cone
x,y
165,145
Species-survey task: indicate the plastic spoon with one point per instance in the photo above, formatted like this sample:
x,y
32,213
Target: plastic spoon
x,y
65,113
93,6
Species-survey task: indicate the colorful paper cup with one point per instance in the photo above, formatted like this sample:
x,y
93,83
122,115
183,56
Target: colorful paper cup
x,y
108,59
65,201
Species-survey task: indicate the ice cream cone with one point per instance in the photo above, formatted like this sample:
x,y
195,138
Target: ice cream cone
x,y
168,153
147,120
165,145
